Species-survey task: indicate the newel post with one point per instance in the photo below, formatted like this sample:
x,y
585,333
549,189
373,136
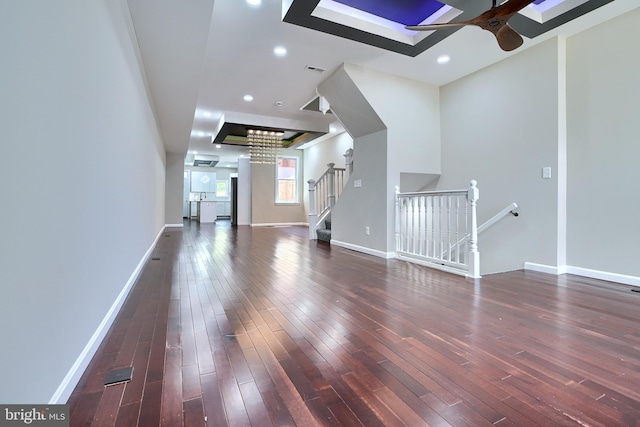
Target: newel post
x,y
332,185
348,163
313,215
397,218
474,256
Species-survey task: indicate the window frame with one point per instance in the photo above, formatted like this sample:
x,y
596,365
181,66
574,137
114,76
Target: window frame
x,y
296,181
226,189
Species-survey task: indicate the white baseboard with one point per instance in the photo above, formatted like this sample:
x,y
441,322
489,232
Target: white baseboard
x,y
542,268
174,225
363,249
281,224
584,272
604,275
69,382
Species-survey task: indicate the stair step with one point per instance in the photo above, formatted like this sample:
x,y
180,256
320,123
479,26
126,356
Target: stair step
x,y
324,235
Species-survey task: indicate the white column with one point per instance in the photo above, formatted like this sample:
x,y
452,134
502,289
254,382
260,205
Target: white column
x,y
474,256
313,215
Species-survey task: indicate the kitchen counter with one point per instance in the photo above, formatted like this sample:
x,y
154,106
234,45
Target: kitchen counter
x,y
207,211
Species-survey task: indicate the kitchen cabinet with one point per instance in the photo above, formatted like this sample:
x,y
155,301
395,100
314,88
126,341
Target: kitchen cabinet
x,y
224,209
203,182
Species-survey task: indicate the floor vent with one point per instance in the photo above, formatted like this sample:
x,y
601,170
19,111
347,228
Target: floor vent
x,y
117,376
155,259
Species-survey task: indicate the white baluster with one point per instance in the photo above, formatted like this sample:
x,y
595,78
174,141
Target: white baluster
x,y
441,247
410,240
474,255
433,225
458,229
448,225
397,219
423,228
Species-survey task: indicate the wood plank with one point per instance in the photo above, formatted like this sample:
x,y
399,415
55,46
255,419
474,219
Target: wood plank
x,y
193,413
150,405
212,399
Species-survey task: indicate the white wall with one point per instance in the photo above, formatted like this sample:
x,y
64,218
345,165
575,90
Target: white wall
x,y
264,210
604,146
75,228
364,206
500,127
411,112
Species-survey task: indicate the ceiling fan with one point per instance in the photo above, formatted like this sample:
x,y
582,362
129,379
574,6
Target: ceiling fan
x,y
493,20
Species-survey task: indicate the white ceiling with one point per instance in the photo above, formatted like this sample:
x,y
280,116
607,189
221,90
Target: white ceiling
x,y
202,56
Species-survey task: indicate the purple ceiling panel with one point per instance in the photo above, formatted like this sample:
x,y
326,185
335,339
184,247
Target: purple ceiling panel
x,y
405,12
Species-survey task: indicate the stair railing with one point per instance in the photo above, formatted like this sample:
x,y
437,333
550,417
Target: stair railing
x,y
430,224
510,209
323,194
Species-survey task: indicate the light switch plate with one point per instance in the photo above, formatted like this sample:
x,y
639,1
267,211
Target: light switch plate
x,y
546,172
357,183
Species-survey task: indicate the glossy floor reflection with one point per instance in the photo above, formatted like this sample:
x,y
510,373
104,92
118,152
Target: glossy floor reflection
x,y
262,327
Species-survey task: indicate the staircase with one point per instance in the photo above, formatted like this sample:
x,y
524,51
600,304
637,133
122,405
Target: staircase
x,y
323,194
324,234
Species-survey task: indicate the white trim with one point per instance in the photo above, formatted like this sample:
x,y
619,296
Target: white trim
x,y
280,224
69,382
369,251
604,275
542,268
297,181
584,272
173,225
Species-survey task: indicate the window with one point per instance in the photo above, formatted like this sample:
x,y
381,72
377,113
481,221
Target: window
x,y
222,189
287,180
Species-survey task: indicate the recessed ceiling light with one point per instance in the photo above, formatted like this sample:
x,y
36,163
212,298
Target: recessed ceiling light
x,y
248,98
200,133
254,2
207,114
279,103
280,51
443,59
218,145
195,152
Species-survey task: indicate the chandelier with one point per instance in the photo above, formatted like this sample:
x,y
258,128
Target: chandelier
x,y
264,146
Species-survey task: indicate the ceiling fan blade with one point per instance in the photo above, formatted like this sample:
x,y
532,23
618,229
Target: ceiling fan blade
x,y
508,38
493,20
430,27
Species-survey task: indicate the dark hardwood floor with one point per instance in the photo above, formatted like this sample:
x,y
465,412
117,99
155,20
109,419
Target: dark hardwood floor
x,y
262,327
